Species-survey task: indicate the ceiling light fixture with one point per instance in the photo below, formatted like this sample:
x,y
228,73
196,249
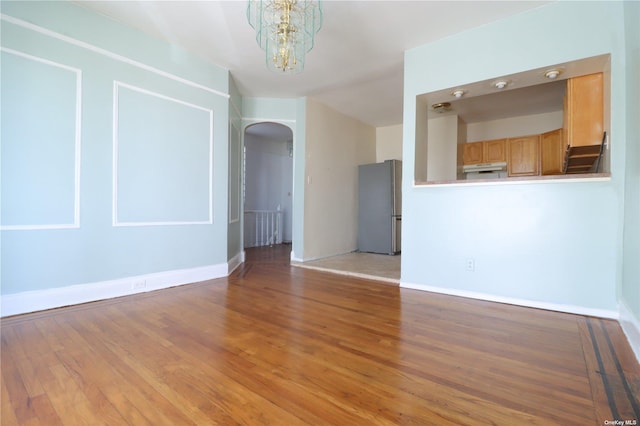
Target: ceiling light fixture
x,y
286,30
458,93
552,74
501,84
441,107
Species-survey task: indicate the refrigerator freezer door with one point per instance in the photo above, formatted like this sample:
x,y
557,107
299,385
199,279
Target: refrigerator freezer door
x,y
375,207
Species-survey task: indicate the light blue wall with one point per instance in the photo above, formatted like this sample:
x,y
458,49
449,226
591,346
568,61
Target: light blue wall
x,y
47,170
269,109
630,292
161,206
557,243
299,173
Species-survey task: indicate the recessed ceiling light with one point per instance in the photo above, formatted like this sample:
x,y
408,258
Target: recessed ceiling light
x,y
501,84
458,93
551,74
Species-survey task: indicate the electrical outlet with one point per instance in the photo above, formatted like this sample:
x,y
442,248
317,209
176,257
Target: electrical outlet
x,y
470,265
139,284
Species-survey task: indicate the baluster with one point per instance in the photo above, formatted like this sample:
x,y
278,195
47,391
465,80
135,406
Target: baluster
x,y
256,231
271,228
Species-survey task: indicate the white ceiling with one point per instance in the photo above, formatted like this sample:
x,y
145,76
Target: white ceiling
x,y
356,66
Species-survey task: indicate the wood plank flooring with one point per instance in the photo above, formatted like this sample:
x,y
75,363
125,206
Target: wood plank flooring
x,y
277,345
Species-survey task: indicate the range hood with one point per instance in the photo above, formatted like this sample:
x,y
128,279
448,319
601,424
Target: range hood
x,y
485,167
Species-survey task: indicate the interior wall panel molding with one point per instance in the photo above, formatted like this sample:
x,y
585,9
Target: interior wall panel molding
x,y
11,148
151,138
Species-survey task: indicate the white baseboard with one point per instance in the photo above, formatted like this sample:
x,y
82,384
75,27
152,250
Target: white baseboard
x,y
235,261
631,326
571,309
294,258
39,300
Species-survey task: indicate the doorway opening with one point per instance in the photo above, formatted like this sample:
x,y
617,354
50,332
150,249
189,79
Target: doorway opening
x,y
268,184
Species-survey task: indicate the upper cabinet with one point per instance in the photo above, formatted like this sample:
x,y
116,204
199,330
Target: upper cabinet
x,y
523,156
583,127
551,152
583,110
493,151
532,155
473,153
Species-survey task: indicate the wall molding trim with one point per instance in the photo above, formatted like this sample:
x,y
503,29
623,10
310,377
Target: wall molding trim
x,y
570,309
236,158
77,145
109,54
631,328
117,85
39,300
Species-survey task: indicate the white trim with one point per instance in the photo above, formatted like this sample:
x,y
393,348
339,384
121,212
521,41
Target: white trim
x,y
38,300
631,328
108,54
571,309
115,221
38,227
169,223
77,149
234,262
237,182
161,96
269,120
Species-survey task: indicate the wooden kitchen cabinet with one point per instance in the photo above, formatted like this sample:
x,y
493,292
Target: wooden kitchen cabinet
x,y
493,151
583,113
551,153
523,157
583,123
473,153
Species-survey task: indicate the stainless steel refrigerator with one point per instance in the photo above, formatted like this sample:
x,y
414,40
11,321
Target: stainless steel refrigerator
x,y
380,207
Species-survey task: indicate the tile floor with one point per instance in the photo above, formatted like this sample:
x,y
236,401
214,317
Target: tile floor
x,y
380,267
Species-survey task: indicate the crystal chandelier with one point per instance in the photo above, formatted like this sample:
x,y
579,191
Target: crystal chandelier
x,y
285,29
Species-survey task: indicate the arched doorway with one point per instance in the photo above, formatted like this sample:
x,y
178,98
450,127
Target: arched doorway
x,y
268,184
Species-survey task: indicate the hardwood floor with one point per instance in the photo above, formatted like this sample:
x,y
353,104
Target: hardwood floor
x,y
273,344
